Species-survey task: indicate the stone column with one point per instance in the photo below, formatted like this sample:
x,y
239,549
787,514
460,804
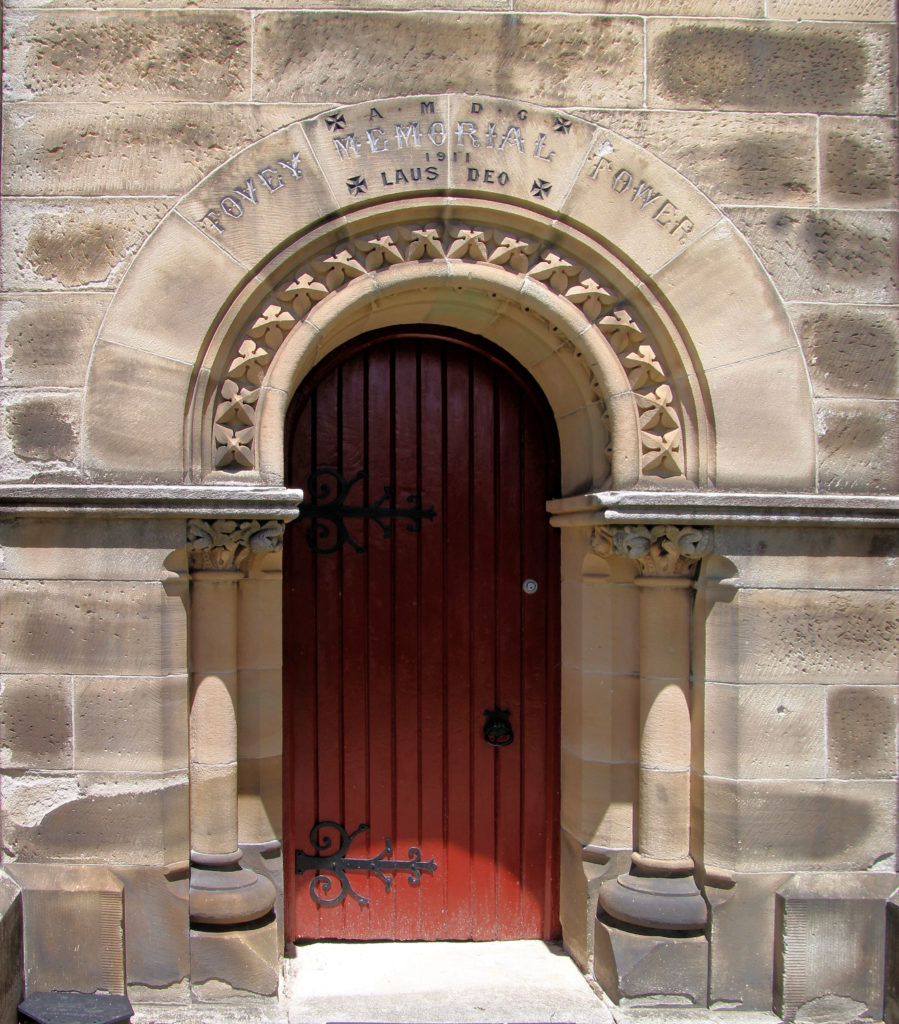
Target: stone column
x,y
222,891
659,892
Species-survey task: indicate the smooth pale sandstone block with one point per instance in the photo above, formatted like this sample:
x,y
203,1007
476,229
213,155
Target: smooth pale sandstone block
x,y
259,614
69,243
601,716
778,67
836,10
259,808
732,157
97,149
609,630
684,8
248,956
861,732
804,636
213,722
851,351
36,722
130,818
859,163
44,428
105,55
91,628
598,802
565,59
831,255
46,338
798,825
259,723
765,732
213,808
858,442
665,724
130,723
663,814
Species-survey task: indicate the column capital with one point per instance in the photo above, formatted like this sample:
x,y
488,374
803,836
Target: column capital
x,y
659,551
226,543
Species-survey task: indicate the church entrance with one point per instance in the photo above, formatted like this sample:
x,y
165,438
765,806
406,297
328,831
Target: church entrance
x,y
421,646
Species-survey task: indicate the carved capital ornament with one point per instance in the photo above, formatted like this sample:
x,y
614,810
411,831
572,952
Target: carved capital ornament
x,y
226,543
657,550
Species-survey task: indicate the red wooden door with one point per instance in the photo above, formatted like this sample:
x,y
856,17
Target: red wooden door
x,y
395,645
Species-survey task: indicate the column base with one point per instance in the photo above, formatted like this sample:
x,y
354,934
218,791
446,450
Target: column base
x,y
223,892
661,904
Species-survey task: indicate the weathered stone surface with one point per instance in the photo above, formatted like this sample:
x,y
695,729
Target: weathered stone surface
x,y
765,732
12,972
44,428
601,716
891,963
259,722
803,636
831,255
778,67
125,818
836,10
259,813
246,955
563,59
102,628
861,732
95,149
859,163
733,158
200,55
798,825
598,802
46,338
36,722
73,242
683,8
857,444
852,351
130,723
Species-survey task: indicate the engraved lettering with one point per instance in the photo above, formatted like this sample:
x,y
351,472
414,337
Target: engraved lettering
x,y
469,130
488,177
540,146
666,210
377,140
248,191
293,166
502,178
431,173
684,225
415,173
622,181
213,219
441,156
491,134
401,177
473,174
476,108
373,113
408,135
346,146
437,132
645,194
522,115
231,207
601,156
427,107
384,178
512,134
270,178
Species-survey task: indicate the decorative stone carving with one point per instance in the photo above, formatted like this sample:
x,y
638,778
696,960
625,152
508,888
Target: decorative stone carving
x,y
657,550
226,543
234,427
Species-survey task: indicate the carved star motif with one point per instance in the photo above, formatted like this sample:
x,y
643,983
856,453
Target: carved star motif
x,y
562,125
541,188
336,122
357,185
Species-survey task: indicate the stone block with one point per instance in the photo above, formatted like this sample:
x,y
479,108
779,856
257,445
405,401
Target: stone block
x,y
114,55
259,722
828,255
12,968
259,809
213,797
764,732
803,636
70,243
91,628
835,10
682,8
861,732
779,67
851,350
96,149
798,825
130,723
891,964
44,428
36,722
857,445
267,861
73,918
859,163
741,970
213,723
601,716
46,338
125,818
598,802
609,629
565,59
582,871
829,953
637,968
248,956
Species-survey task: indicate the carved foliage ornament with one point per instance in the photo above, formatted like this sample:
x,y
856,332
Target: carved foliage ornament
x,y
226,543
234,418
658,550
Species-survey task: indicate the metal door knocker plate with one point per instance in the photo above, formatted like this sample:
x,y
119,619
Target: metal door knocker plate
x,y
498,729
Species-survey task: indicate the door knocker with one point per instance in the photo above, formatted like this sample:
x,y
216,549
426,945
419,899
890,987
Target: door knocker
x,y
498,729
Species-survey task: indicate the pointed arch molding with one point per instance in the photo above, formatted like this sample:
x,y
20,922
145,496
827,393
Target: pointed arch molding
x,y
662,345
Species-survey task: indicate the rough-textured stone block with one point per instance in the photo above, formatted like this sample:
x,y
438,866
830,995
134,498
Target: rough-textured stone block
x,y
861,732
44,428
36,722
246,955
859,162
102,628
562,59
830,255
764,732
857,444
778,67
891,964
733,158
829,954
12,969
46,338
683,8
852,351
73,928
798,825
836,10
127,818
111,55
73,242
130,723
96,149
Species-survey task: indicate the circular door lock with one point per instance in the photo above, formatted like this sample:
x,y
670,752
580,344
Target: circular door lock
x,y
530,586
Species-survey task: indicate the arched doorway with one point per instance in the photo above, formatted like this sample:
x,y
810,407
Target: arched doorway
x,y
421,615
